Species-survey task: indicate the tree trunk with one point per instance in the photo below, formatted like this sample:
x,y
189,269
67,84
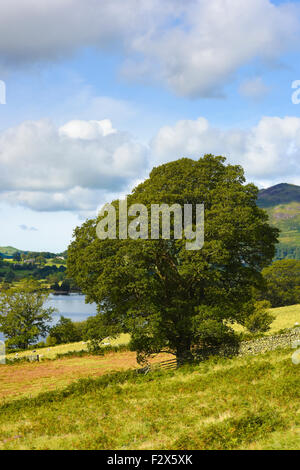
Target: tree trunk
x,y
183,352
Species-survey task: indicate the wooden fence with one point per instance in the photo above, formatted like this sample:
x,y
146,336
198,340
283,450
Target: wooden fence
x,y
169,364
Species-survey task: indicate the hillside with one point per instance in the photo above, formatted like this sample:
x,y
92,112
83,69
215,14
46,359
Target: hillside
x,y
282,193
84,401
241,403
282,202
9,250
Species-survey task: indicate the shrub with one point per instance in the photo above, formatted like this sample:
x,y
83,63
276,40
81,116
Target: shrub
x,y
260,320
64,331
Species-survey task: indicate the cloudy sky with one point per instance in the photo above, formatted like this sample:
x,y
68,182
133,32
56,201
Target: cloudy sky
x,y
94,93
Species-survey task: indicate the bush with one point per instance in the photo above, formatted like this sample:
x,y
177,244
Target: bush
x,y
215,338
50,341
260,320
64,331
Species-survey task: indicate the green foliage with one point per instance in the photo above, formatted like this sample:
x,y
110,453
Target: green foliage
x,y
64,332
285,251
96,329
50,341
80,328
55,287
154,288
23,318
282,283
9,276
213,337
65,286
17,256
260,320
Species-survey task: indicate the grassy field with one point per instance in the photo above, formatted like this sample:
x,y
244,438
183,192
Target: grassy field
x,y
285,317
52,352
240,403
30,379
99,402
286,217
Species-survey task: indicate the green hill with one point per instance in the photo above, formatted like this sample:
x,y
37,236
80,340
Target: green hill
x,y
9,250
282,202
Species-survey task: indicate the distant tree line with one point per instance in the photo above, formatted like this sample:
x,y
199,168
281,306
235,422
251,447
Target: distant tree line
x,y
287,252
281,283
37,270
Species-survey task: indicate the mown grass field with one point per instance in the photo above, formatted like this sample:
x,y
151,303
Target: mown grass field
x,y
53,351
240,403
30,379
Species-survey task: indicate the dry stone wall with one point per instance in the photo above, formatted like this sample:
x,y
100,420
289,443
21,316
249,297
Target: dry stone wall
x,y
269,343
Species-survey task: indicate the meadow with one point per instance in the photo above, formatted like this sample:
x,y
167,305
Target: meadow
x,y
241,403
285,317
53,351
100,402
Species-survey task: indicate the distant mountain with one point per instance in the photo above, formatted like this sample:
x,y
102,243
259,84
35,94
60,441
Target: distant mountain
x,y
282,193
282,202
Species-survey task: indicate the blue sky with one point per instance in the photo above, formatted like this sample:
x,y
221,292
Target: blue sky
x,y
97,93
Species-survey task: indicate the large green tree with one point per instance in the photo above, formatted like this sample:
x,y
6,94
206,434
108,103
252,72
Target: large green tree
x,y
23,316
170,298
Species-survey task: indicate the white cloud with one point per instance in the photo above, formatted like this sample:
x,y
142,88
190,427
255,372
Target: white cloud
x,y
215,38
50,168
83,164
269,152
87,130
192,46
31,30
253,88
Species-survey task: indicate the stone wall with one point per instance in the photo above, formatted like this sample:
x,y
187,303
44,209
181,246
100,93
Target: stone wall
x,y
269,343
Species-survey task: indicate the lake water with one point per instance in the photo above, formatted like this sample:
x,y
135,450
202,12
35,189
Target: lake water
x,y
71,306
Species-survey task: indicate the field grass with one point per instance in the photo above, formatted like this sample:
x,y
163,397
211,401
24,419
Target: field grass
x,y
99,402
285,317
30,379
242,403
52,352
